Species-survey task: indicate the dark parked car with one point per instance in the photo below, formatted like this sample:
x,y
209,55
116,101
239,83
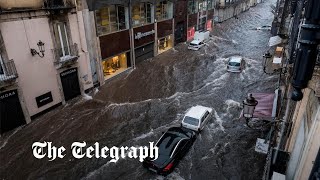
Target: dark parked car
x,y
173,145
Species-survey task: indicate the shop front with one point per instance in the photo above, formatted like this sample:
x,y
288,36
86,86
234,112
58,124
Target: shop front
x,y
165,36
144,42
192,24
116,64
180,19
190,33
11,114
209,25
115,53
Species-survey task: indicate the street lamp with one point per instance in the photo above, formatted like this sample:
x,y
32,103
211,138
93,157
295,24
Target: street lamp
x,y
249,104
267,57
41,49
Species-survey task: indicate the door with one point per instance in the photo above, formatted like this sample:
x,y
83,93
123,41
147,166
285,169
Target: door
x,y
70,83
204,119
11,112
144,53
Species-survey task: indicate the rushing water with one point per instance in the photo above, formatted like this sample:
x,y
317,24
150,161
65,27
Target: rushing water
x,y
134,109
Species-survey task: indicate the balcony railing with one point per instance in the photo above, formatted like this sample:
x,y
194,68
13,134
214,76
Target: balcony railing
x,y
57,4
8,72
66,55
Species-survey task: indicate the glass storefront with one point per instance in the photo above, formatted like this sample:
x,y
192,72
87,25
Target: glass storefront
x,y
209,25
164,10
192,6
165,44
115,65
111,19
142,14
190,33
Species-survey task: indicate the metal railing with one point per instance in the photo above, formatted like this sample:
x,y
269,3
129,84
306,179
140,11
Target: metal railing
x,y
66,54
57,4
8,71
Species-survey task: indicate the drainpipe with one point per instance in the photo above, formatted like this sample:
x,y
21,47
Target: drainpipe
x,y
307,52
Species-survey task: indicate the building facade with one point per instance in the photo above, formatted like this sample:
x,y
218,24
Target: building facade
x,y
200,16
44,58
140,30
295,149
226,9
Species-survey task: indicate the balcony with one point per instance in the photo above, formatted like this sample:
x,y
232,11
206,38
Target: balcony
x,y
58,5
8,73
65,56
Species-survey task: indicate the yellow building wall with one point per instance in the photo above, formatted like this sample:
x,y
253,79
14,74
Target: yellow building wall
x,y
9,4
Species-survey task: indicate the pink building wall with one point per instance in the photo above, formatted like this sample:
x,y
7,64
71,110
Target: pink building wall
x,y
37,75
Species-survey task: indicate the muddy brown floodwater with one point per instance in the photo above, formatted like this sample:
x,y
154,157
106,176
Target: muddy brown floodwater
x,y
133,109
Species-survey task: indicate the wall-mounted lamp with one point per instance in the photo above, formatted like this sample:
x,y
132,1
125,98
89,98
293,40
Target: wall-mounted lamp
x,y
41,48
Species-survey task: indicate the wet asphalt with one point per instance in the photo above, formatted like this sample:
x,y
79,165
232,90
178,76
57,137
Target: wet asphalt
x,y
135,108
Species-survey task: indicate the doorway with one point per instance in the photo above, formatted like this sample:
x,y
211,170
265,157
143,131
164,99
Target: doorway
x,y
70,83
11,114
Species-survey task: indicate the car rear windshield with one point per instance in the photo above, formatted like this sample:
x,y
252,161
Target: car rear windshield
x,y
192,44
167,143
234,64
192,121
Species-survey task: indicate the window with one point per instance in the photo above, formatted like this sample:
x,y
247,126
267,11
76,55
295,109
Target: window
x,y
192,6
61,36
141,14
204,116
111,19
203,5
192,121
210,4
164,10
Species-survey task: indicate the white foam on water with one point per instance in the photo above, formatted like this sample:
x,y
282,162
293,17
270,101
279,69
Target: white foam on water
x,y
234,42
96,91
7,139
92,173
87,97
219,121
174,176
231,103
144,135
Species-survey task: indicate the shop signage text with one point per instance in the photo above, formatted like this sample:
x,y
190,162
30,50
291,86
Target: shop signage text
x,y
8,94
68,72
140,35
44,99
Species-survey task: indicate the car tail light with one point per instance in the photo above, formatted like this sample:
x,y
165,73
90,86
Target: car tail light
x,y
168,167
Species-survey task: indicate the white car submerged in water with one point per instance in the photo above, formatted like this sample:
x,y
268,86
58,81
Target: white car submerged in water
x,y
196,118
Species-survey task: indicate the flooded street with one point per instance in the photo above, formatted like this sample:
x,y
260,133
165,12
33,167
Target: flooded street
x,y
135,108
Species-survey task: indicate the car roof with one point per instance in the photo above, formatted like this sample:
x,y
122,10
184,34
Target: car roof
x,y
235,59
196,111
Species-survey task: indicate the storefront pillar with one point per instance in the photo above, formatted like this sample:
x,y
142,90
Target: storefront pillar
x,y
155,39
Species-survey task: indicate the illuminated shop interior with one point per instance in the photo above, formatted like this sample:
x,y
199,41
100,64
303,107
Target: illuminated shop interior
x,y
142,14
165,44
114,65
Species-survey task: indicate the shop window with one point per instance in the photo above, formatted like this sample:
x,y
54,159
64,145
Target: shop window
x,y
203,5
111,19
115,65
165,44
164,10
142,14
192,6
61,37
